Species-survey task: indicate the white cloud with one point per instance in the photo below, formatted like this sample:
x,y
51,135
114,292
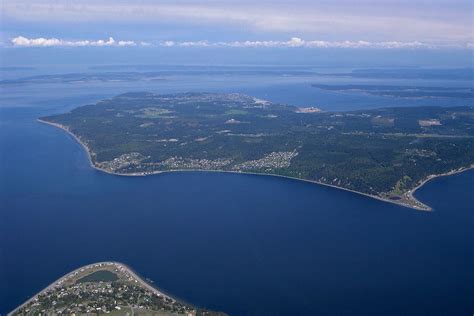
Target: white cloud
x,y
168,43
336,20
21,41
126,43
379,45
196,44
294,42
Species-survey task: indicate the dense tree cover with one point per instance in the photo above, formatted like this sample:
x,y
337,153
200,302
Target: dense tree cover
x,y
379,152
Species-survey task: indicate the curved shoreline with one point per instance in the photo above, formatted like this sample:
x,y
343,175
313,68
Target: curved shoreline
x,y
411,192
122,267
409,195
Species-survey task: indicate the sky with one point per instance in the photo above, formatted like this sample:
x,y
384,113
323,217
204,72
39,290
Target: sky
x,y
142,26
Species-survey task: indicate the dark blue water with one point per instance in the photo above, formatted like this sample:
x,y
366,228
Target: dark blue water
x,y
246,245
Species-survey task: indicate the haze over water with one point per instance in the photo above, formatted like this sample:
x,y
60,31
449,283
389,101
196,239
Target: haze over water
x,y
243,244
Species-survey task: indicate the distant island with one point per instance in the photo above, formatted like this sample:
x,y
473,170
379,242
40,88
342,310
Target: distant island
x,y
105,288
407,92
384,153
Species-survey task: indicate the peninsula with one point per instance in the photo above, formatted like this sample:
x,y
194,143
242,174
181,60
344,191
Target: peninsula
x,y
384,153
105,288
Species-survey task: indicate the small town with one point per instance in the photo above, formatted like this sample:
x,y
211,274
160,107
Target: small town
x,y
177,163
103,288
121,162
274,160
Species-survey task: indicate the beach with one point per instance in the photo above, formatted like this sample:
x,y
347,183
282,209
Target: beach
x,y
408,200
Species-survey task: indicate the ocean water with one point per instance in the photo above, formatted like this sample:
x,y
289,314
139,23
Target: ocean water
x,y
242,244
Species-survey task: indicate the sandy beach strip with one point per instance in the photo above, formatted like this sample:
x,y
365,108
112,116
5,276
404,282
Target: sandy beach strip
x,y
409,195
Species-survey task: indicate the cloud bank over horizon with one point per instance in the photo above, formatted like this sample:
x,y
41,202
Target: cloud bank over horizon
x,y
390,21
21,41
294,42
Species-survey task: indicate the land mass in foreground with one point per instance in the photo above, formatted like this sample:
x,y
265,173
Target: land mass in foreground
x,y
105,288
383,153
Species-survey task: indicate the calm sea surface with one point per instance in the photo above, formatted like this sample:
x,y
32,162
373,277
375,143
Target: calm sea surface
x,y
243,244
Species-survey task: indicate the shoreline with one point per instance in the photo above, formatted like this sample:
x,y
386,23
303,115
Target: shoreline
x,y
409,195
104,264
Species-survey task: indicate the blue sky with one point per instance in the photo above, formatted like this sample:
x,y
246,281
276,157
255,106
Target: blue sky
x,y
438,22
299,24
